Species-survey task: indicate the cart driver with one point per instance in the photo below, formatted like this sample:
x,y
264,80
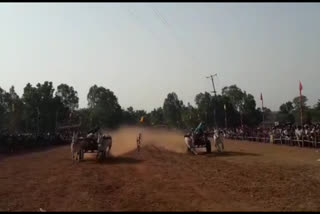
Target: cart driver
x,y
200,129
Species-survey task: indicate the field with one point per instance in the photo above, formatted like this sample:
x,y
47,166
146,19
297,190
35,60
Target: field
x,y
248,176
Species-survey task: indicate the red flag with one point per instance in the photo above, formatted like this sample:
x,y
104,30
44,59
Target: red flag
x,y
300,87
261,98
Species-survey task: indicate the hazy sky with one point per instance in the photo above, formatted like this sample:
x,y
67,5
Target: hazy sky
x,y
144,51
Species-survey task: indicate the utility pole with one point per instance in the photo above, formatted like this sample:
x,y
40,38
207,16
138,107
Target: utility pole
x,y
262,108
214,89
225,116
215,95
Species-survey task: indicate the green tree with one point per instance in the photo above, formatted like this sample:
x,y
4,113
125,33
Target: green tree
x,y
233,116
128,116
84,115
286,113
70,102
47,106
244,103
172,108
315,115
15,111
317,107
305,109
31,112
190,116
40,107
286,108
251,115
296,102
4,108
69,97
205,108
267,113
235,95
105,110
315,112
156,116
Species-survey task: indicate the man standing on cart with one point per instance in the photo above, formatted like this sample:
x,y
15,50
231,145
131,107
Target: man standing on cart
x,y
199,131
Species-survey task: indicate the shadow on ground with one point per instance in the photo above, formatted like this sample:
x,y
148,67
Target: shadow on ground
x,y
227,154
116,160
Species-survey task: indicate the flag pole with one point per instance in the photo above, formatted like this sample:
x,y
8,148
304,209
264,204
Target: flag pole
x,y
261,98
300,89
225,116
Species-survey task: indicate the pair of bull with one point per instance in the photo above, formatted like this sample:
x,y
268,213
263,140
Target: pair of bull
x,y
101,144
194,140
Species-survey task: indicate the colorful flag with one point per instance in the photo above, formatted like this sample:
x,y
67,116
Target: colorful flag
x,y
300,87
141,119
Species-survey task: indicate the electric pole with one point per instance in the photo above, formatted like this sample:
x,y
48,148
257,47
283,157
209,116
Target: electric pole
x,y
214,89
215,95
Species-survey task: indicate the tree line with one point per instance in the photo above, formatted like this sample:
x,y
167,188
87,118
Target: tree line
x,y
290,111
42,109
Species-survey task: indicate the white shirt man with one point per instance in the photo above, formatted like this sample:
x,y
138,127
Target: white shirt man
x,y
298,133
218,138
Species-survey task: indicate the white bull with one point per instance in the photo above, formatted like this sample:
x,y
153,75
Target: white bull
x,y
189,142
104,145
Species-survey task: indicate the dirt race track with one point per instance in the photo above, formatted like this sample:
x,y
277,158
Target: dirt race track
x,y
162,177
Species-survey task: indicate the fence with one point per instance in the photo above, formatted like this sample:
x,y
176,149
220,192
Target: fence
x,y
305,141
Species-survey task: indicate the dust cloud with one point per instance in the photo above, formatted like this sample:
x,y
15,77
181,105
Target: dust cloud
x,y
124,139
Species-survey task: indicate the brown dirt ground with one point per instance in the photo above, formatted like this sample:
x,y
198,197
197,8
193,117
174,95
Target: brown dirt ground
x,y
248,176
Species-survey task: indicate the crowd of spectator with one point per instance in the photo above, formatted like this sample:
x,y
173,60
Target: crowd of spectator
x,y
307,135
14,142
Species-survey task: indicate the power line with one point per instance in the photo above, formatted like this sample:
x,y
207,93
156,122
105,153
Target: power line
x,y
172,32
131,13
165,22
156,11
